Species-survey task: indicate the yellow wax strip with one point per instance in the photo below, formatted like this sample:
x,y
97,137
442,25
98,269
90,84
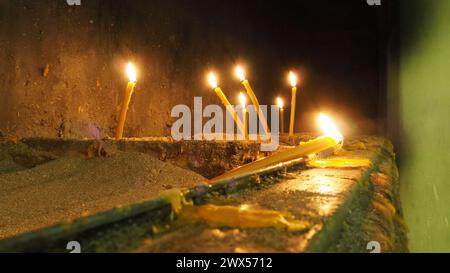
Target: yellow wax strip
x,y
243,217
340,163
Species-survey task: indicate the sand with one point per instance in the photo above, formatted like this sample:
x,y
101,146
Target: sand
x,y
69,187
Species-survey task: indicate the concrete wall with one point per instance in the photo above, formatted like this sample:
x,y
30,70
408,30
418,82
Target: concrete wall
x,y
86,49
174,43
418,111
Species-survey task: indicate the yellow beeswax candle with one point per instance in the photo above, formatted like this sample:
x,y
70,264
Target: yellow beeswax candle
x,y
132,75
213,82
331,138
241,75
293,81
280,104
243,102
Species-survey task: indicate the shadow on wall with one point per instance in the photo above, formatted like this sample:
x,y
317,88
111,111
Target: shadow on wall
x,y
417,99
405,37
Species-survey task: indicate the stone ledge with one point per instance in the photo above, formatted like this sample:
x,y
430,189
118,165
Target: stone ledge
x,y
207,158
346,208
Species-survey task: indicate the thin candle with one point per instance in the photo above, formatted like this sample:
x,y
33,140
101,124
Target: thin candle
x,y
293,81
241,75
243,102
331,138
132,75
280,104
213,82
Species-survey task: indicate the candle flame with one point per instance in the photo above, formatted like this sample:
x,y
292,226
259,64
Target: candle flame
x,y
240,73
212,80
280,102
244,207
242,99
131,71
293,79
329,128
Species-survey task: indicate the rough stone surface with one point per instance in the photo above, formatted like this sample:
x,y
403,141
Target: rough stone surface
x,y
71,187
208,158
341,209
47,181
346,208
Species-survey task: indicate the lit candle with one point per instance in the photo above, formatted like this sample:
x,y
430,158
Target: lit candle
x,y
243,102
280,104
331,138
132,75
213,82
241,75
293,81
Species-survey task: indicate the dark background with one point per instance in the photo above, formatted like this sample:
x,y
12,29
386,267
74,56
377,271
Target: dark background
x,y
334,46
376,72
